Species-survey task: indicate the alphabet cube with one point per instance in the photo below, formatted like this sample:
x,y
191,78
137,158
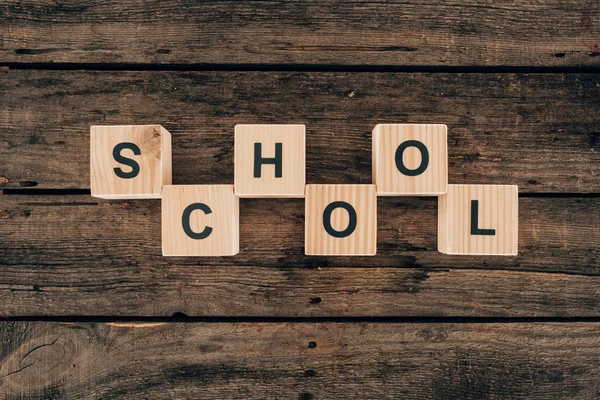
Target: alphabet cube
x,y
410,159
269,160
200,220
341,220
129,161
479,220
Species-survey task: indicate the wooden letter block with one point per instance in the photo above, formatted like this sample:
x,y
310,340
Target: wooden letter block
x,y
269,160
410,159
200,220
129,161
341,220
479,220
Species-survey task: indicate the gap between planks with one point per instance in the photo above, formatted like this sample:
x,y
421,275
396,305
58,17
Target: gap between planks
x,y
79,192
181,317
300,68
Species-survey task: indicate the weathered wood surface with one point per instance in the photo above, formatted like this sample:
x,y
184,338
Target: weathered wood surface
x,y
299,360
538,131
279,292
76,255
555,235
431,33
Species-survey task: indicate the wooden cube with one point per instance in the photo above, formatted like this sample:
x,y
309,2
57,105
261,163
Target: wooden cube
x,y
200,220
479,220
341,220
270,160
410,159
129,161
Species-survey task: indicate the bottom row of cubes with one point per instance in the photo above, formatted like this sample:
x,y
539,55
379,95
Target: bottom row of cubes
x,y
203,220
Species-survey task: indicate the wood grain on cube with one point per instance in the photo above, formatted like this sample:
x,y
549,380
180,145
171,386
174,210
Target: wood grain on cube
x,y
200,220
299,360
341,220
410,159
147,153
496,230
281,152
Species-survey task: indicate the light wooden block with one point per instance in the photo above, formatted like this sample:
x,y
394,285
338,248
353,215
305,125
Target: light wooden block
x,y
410,159
479,220
129,161
282,152
330,210
200,220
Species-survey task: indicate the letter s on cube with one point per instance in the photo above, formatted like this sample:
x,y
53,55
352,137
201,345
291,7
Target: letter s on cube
x,y
129,161
410,159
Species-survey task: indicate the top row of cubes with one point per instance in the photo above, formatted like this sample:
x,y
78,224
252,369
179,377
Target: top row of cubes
x,y
134,161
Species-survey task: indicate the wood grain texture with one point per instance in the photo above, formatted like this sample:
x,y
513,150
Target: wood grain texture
x,y
340,220
431,32
213,222
80,256
282,172
299,360
556,234
75,255
537,131
411,170
153,161
496,220
127,290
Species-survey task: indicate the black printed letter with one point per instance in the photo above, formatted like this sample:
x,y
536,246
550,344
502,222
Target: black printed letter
x,y
424,158
259,160
185,220
474,218
327,219
135,167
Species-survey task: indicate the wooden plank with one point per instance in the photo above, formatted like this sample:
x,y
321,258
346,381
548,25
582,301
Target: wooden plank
x,y
299,360
241,291
555,235
431,32
75,255
537,131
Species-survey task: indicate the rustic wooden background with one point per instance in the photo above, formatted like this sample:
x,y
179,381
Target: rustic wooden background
x,y
90,309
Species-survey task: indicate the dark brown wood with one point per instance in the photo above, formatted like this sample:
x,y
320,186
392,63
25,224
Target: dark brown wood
x,y
555,235
430,33
538,131
299,360
288,293
76,255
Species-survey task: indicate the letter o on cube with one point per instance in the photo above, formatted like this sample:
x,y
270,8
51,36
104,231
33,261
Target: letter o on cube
x,y
341,220
410,159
